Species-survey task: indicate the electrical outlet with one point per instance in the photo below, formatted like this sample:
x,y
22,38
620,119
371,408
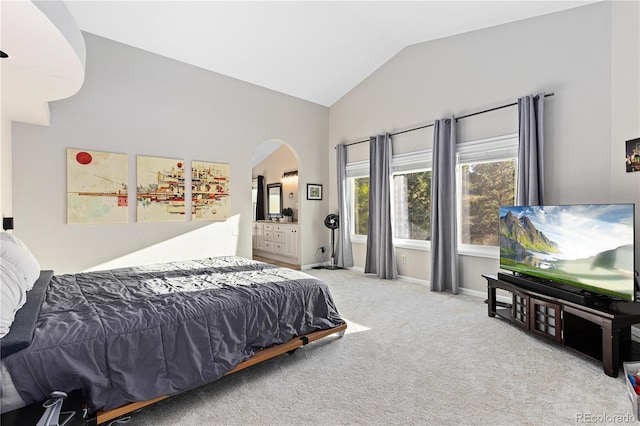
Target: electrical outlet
x,y
403,258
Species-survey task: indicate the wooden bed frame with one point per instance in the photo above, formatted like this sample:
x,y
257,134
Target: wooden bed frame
x,y
101,417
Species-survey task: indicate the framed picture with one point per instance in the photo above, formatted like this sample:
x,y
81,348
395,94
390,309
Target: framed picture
x,y
314,191
633,155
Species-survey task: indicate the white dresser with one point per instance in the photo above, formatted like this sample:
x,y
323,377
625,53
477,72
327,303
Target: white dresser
x,y
276,240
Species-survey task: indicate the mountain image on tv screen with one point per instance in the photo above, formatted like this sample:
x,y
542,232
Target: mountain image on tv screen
x,y
586,246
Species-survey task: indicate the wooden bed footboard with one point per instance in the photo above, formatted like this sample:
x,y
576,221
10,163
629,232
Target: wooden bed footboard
x,y
101,417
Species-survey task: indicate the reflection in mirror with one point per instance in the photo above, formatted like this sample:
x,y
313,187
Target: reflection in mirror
x,y
274,205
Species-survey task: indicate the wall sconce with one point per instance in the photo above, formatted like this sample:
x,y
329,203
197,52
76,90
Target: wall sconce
x,y
7,223
291,176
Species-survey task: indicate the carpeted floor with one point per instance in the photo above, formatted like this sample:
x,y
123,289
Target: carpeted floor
x,y
410,357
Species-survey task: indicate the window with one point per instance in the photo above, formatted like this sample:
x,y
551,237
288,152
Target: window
x,y
485,187
485,181
411,204
411,199
358,195
360,205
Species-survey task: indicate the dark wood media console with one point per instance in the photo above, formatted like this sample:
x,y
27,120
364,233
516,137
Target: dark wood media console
x,y
599,328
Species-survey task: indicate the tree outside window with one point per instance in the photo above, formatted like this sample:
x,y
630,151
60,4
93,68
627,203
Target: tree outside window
x,y
361,205
485,187
412,205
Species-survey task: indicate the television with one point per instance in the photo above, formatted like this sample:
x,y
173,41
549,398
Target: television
x,y
586,249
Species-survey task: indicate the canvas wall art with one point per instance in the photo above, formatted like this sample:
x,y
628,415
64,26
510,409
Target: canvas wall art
x,y
160,189
210,191
96,187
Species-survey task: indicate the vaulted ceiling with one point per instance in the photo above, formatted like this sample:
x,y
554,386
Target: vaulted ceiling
x,y
314,50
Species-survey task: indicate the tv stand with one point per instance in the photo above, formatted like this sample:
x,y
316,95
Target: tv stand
x,y
598,328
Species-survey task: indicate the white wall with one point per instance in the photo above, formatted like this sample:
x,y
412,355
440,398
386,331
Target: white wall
x,y
569,53
139,103
46,62
625,103
6,199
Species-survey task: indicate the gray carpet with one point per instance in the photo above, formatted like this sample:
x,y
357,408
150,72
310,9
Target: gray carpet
x,y
411,357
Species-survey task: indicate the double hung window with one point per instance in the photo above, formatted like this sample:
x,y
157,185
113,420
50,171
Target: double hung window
x,y
486,175
411,199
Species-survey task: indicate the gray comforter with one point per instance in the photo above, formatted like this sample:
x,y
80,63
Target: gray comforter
x,y
133,334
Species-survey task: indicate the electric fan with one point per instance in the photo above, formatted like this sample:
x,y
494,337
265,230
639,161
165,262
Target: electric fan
x,y
331,222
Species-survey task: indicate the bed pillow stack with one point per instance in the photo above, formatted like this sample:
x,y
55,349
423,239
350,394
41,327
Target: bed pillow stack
x,y
19,270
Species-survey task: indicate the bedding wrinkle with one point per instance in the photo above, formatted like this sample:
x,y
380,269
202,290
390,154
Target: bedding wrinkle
x,y
209,355
134,334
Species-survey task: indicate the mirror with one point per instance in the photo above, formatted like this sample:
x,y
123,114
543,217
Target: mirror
x,y
274,197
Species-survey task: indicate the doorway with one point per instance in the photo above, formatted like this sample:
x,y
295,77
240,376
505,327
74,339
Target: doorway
x,y
276,224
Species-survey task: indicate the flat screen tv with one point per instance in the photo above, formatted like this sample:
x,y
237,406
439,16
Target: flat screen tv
x,y
589,248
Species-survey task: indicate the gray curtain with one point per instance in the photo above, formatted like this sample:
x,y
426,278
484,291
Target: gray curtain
x,y
444,237
530,180
380,258
344,252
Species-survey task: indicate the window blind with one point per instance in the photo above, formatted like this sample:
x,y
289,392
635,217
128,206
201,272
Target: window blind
x,y
494,149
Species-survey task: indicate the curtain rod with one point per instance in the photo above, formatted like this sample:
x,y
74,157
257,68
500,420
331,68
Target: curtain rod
x,y
457,118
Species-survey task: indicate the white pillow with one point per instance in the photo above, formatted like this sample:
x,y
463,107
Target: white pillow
x,y
14,251
13,294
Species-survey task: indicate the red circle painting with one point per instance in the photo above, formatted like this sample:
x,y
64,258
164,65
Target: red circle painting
x,y
83,157
179,165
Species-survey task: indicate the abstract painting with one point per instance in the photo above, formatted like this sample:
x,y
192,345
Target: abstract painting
x,y
210,191
160,189
96,187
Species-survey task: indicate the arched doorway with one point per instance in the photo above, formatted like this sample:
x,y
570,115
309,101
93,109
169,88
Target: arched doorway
x,y
276,207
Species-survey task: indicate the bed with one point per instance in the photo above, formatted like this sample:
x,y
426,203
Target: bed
x,y
130,336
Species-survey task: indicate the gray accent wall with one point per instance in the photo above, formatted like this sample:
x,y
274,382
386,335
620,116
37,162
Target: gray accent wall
x,y
587,56
139,103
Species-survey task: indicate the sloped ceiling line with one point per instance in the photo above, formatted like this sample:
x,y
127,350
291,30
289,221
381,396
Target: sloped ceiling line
x,y
313,50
